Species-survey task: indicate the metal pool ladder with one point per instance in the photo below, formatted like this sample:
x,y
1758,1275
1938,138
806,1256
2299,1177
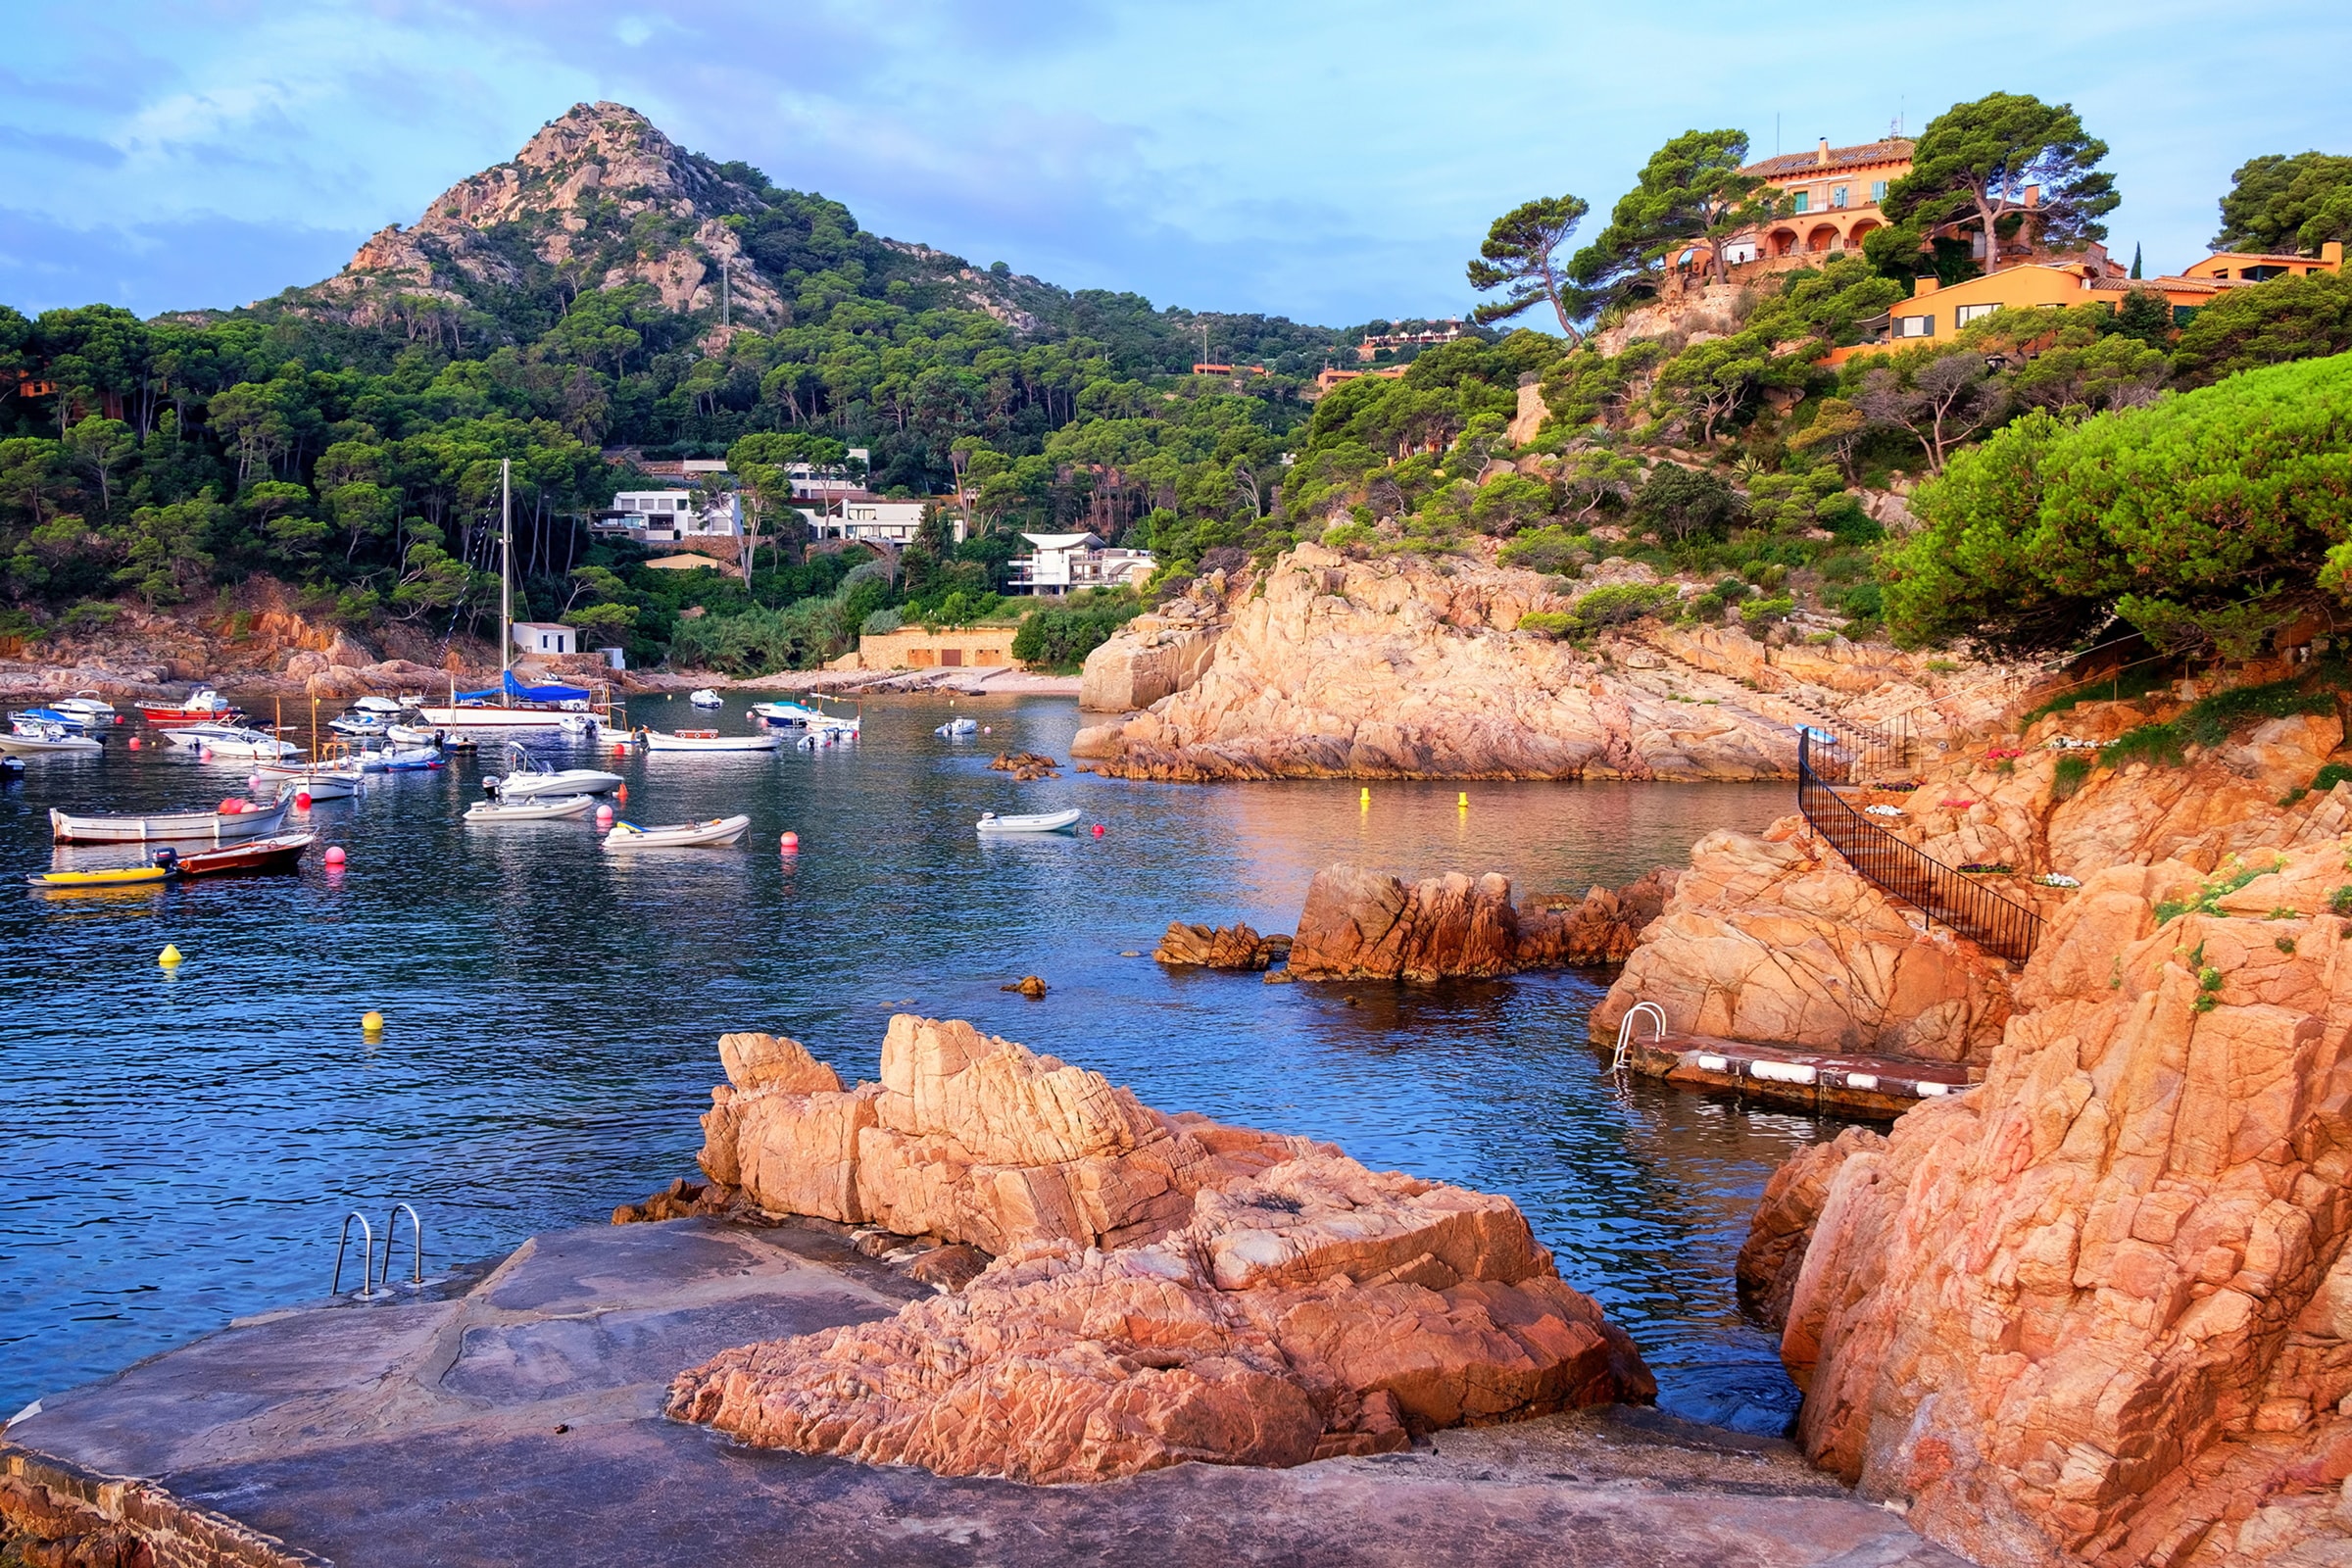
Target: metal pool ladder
x,y
1625,1037
373,1281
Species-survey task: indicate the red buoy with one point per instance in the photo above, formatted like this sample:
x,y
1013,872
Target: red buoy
x,y
621,794
334,854
603,816
134,743
231,806
301,799
1098,830
791,843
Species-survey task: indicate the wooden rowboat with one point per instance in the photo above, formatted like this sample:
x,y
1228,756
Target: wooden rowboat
x,y
708,740
169,827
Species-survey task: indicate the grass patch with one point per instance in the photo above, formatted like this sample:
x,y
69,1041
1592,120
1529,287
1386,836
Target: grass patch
x,y
2210,720
2157,745
2069,776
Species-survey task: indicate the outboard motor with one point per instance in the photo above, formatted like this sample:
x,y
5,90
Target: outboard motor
x,y
167,858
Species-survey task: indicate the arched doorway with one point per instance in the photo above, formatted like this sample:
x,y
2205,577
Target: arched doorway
x,y
1782,241
1823,238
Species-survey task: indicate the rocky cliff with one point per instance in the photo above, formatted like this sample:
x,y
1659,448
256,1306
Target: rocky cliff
x,y
1164,1288
600,199
1408,666
2099,1309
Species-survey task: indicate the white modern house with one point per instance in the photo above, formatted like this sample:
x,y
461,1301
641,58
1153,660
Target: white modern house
x,y
1063,561
668,516
870,519
545,637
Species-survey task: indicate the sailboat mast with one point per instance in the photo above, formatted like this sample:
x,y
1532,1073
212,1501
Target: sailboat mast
x,y
506,565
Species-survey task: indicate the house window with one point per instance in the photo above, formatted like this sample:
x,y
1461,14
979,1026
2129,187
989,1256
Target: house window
x,y
1915,327
1970,313
1801,202
1837,195
2182,315
1878,191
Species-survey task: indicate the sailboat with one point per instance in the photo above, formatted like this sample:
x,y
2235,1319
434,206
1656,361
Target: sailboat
x,y
510,705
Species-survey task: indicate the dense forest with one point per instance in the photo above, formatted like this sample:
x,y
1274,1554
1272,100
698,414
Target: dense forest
x,y
352,451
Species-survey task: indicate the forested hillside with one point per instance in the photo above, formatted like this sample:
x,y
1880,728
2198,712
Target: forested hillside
x,y
608,293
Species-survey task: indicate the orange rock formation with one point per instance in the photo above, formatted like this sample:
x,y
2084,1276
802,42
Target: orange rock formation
x,y
1166,1289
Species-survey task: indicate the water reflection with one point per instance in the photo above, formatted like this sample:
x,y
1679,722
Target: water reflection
x,y
182,1146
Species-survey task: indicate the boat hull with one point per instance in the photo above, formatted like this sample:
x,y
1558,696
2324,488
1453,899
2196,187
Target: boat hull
x,y
1042,822
535,811
571,781
713,834
278,853
171,827
41,746
464,718
656,741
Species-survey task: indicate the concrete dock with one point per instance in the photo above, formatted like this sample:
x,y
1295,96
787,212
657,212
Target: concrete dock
x,y
1872,1088
514,1417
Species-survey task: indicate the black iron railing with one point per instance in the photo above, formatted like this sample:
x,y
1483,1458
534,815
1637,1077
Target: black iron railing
x,y
1997,924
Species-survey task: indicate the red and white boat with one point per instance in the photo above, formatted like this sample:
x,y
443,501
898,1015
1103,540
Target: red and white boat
x,y
203,705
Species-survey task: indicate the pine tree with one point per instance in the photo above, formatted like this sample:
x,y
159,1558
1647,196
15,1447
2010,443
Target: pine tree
x,y
2136,261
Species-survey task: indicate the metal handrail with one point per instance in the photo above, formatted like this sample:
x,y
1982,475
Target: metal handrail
x,y
366,1290
415,1279
1625,1031
1994,923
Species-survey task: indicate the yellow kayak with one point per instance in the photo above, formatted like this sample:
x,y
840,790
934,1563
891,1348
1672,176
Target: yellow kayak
x,y
118,877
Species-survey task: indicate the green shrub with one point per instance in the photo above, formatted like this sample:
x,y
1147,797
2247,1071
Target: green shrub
x,y
2231,875
1864,600
1059,637
1548,549
1550,623
1731,590
2340,901
2209,720
1706,608
1764,612
1621,603
2330,777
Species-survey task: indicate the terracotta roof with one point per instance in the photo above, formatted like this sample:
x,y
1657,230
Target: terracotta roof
x,y
1896,149
2168,283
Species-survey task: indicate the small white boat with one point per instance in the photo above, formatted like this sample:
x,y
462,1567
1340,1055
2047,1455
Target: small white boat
x,y
528,776
360,725
787,716
719,830
706,739
89,707
1040,822
957,726
318,783
382,707
706,698
547,810
231,740
39,739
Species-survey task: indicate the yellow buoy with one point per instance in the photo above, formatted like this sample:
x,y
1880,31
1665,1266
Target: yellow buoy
x,y
371,1023
168,958
1462,800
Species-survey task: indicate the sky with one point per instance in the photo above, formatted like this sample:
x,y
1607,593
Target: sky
x,y
1335,162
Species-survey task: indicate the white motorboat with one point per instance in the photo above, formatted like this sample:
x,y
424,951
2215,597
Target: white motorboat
x,y
319,784
706,739
546,810
89,707
786,715
231,740
381,706
719,830
29,720
1039,822
217,826
40,740
360,725
957,726
705,697
528,776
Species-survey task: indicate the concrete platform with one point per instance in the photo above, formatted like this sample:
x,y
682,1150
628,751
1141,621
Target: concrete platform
x,y
516,1421
1874,1088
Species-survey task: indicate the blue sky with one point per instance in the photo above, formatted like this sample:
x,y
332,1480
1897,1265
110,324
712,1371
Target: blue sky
x,y
1330,161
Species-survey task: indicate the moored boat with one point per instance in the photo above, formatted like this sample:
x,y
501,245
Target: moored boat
x,y
218,826
201,705
89,706
534,809
1036,822
37,716
528,775
957,726
280,852
706,739
38,739
320,782
717,831
705,697
231,740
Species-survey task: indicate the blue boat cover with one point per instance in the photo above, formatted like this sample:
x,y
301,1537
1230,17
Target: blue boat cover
x,y
516,690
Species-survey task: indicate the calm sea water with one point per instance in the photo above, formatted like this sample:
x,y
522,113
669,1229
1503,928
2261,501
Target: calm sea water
x,y
181,1148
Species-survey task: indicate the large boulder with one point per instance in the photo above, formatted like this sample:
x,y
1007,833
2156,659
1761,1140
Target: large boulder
x,y
1167,1288
1361,925
1149,658
1772,939
2099,1308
